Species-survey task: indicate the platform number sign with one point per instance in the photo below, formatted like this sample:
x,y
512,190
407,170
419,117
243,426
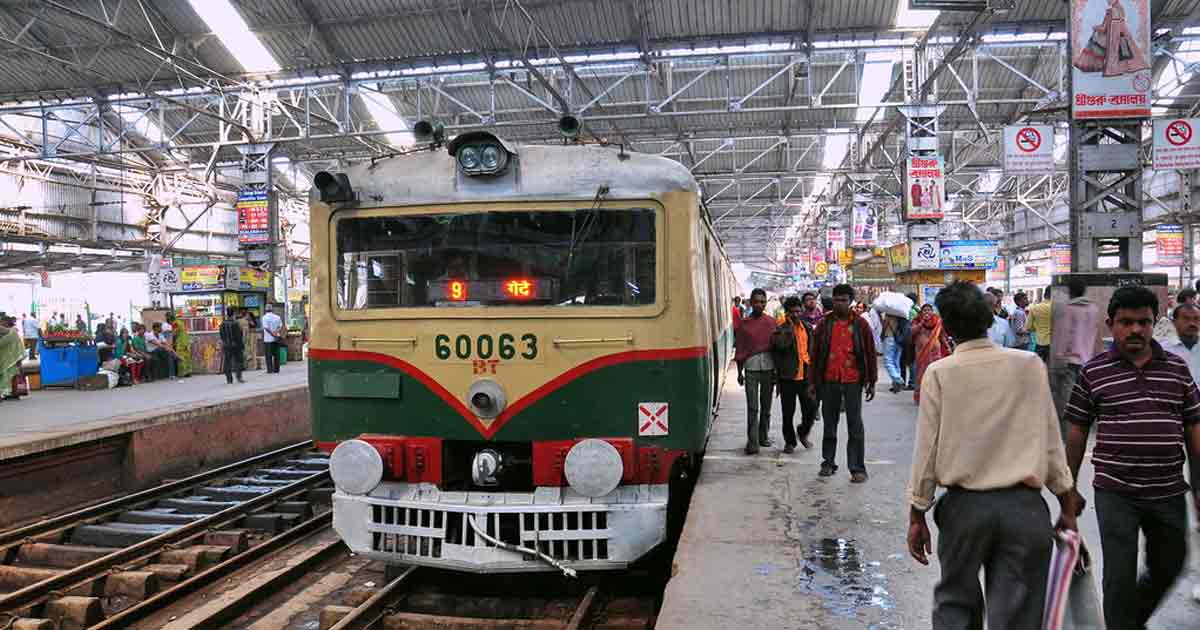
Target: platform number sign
x,y
653,419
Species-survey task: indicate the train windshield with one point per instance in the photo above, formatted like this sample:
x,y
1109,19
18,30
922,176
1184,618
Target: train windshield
x,y
568,258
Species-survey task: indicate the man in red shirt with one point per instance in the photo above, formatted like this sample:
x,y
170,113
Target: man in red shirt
x,y
844,371
756,370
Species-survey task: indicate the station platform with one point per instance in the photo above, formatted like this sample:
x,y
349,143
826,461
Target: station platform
x,y
769,544
66,446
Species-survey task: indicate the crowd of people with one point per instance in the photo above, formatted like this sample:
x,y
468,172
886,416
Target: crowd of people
x,y
138,353
1007,402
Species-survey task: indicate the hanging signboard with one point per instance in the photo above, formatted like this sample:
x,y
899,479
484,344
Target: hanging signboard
x,y
1028,149
250,279
1175,143
254,215
1110,58
201,278
866,226
835,241
845,257
926,253
925,188
1061,254
969,254
1169,245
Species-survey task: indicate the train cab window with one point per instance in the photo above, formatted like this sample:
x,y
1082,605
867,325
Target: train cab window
x,y
566,258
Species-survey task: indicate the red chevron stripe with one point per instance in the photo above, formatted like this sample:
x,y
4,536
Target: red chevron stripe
x,y
673,354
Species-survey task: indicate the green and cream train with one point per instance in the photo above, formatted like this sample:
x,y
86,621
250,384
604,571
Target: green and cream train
x,y
515,350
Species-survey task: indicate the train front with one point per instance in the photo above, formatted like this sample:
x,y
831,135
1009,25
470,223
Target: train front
x,y
506,353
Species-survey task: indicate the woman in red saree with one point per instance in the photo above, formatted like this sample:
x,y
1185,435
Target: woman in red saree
x,y
1112,49
930,343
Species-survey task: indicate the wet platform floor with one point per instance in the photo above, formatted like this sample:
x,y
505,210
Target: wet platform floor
x,y
769,544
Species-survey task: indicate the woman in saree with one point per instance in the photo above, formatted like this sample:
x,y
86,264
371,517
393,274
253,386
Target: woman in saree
x,y
183,347
930,343
1112,49
12,352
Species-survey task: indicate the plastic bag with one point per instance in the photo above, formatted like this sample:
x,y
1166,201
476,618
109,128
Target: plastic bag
x,y
891,303
1071,599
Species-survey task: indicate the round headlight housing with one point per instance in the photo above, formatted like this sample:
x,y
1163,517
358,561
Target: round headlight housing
x,y
593,468
356,467
468,157
489,158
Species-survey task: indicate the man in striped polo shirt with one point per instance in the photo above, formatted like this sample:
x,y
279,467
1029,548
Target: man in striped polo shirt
x,y
1145,407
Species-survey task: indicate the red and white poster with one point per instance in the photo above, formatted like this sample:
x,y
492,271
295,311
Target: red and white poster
x,y
924,188
1175,143
1028,149
866,225
1110,58
835,241
1168,241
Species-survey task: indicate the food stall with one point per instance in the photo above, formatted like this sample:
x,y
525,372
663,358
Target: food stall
x,y
200,297
67,356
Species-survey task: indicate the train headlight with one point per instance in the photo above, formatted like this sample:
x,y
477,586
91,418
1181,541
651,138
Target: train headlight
x,y
489,158
486,467
356,467
594,468
468,158
486,398
480,153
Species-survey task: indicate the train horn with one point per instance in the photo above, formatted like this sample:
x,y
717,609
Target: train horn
x,y
333,187
428,131
569,126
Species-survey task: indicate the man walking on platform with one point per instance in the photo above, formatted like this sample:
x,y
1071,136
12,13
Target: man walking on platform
x,y
1145,406
1076,326
232,346
1039,323
756,370
30,332
1184,344
893,333
844,370
987,432
273,338
1018,320
789,345
811,313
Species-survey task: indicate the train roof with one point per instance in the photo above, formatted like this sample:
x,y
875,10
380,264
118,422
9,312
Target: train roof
x,y
538,172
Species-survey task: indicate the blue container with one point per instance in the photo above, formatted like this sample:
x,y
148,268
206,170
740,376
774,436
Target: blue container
x,y
65,364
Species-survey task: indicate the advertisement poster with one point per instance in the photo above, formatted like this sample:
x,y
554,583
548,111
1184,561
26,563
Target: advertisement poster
x,y
926,253
1061,254
866,226
1029,149
1169,245
899,258
250,278
202,278
925,188
969,254
835,241
254,216
1175,143
1110,58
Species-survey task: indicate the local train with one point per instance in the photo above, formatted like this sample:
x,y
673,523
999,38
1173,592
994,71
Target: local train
x,y
515,350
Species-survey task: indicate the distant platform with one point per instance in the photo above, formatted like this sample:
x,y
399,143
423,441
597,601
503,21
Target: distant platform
x,y
62,447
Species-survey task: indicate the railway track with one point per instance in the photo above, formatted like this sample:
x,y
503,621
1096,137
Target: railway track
x,y
108,564
250,545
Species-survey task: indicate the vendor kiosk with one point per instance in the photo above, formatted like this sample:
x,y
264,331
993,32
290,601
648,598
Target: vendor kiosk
x,y
200,297
66,357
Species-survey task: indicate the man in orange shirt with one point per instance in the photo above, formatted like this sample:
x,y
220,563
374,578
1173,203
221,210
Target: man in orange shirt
x,y
789,347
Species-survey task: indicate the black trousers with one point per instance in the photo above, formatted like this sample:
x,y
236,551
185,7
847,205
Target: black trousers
x,y
272,348
1005,532
836,397
1129,598
789,392
233,363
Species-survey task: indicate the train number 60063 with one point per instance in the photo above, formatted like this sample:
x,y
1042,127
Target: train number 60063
x,y
504,347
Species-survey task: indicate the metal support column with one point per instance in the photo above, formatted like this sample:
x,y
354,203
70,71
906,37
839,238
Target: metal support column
x,y
1106,194
257,184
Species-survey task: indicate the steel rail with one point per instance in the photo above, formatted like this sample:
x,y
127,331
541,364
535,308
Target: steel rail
x,y
92,570
368,614
20,534
581,612
315,525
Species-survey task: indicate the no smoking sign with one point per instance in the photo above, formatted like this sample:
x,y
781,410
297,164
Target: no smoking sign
x,y
1029,139
1175,144
1179,132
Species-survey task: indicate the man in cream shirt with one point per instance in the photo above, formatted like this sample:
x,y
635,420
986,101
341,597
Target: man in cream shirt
x,y
986,431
